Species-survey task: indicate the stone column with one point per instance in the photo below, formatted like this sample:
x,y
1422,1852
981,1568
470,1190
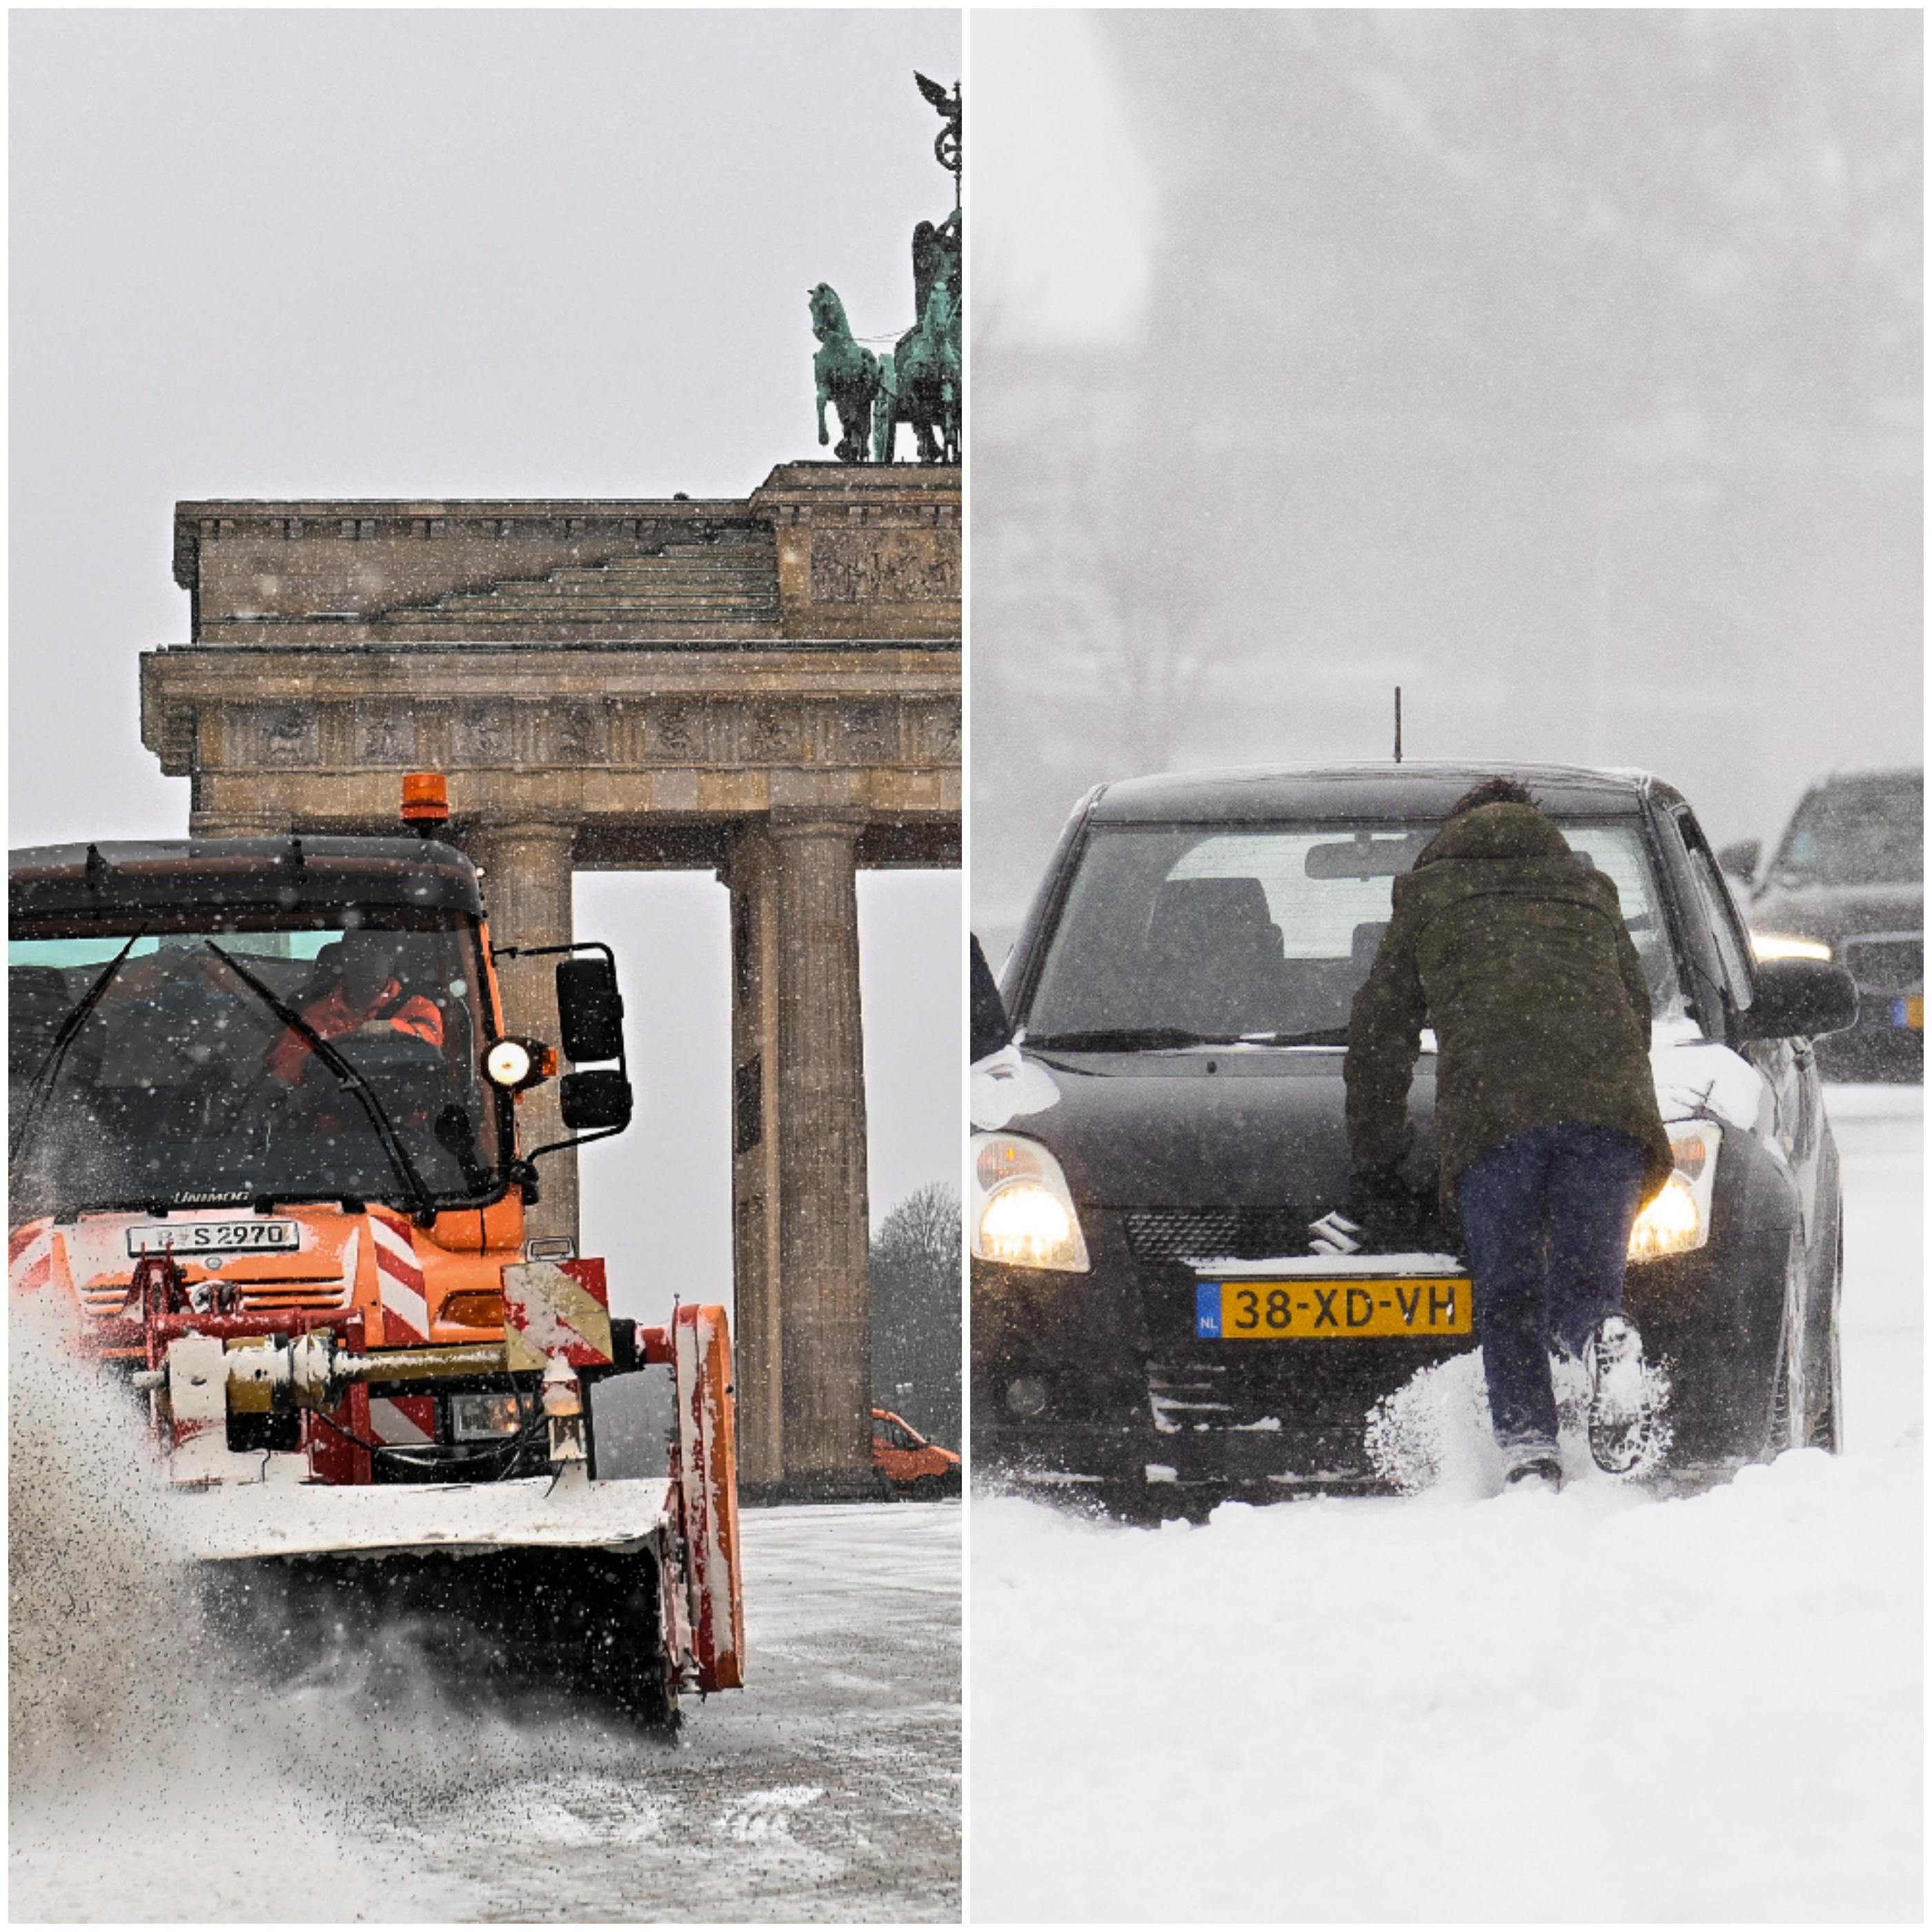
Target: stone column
x,y
758,1324
826,1347
526,893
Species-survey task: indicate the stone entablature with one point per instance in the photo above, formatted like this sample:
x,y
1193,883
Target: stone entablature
x,y
820,550
311,741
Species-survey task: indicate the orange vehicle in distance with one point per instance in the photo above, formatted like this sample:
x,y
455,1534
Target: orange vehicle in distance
x,y
911,1465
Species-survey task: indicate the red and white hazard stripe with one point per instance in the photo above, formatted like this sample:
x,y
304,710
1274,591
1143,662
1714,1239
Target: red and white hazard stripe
x,y
406,1421
30,1258
400,1284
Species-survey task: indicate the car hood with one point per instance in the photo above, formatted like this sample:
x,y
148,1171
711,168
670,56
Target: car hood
x,y
1237,1128
1836,912
1268,1128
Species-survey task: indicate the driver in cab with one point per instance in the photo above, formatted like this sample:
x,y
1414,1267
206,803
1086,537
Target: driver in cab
x,y
367,996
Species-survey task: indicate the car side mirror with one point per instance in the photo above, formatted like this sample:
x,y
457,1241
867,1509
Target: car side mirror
x,y
990,1029
1799,999
1740,860
597,1100
590,1009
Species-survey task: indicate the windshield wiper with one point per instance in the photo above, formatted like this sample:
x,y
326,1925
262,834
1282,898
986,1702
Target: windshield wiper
x,y
351,1082
1321,1037
1155,1040
48,1072
1121,1039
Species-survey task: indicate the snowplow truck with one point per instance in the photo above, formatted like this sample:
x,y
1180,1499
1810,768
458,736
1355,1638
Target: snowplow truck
x,y
265,1157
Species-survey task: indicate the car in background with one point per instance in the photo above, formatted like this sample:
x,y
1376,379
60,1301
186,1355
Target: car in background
x,y
910,1464
1166,1118
1846,882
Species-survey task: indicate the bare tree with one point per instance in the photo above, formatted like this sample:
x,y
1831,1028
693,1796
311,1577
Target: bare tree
x,y
916,1293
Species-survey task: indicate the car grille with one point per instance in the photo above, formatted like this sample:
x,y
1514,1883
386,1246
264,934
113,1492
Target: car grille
x,y
1887,962
1187,1395
1250,1234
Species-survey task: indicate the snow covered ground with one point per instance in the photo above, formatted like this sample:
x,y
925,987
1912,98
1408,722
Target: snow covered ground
x,y
828,1790
1594,1706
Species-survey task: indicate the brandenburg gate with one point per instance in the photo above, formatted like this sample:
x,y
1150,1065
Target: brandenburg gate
x,y
767,687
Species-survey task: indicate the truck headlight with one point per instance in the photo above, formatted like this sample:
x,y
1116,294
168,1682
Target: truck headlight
x,y
1784,946
1678,1218
508,1064
1022,1213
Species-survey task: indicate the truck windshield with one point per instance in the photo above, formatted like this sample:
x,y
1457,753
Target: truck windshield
x,y
1857,831
181,1082
1174,934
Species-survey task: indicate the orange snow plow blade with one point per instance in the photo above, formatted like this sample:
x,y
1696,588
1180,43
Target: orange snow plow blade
x,y
705,1475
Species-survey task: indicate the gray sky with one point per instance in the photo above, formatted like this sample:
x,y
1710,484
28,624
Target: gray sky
x,y
266,253
1560,366
1069,256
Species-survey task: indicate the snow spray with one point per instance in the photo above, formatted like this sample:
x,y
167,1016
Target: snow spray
x,y
149,1777
1433,1432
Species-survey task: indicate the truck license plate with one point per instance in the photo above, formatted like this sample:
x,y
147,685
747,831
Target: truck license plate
x,y
223,1238
1909,1012
1354,1307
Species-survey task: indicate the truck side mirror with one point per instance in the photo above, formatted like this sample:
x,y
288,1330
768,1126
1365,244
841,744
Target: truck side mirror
x,y
990,1029
1799,999
590,1009
599,1100
1740,860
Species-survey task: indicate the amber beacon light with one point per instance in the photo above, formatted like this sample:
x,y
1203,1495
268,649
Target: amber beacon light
x,y
425,799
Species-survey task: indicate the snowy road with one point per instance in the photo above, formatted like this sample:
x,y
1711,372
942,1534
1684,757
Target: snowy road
x,y
828,1790
1593,1706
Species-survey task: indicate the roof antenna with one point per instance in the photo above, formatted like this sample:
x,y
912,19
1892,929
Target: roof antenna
x,y
1398,723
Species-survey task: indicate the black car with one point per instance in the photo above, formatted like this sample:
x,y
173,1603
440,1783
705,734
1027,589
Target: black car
x,y
1846,882
1167,1121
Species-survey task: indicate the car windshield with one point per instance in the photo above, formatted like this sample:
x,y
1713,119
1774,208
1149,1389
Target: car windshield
x,y
168,1079
1174,934
1857,831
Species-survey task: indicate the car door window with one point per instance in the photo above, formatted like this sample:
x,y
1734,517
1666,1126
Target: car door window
x,y
1721,913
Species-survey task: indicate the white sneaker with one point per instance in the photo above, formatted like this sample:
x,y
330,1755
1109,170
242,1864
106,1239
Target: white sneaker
x,y
1533,1466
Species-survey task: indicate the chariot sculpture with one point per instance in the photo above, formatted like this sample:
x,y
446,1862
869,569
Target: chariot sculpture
x,y
920,382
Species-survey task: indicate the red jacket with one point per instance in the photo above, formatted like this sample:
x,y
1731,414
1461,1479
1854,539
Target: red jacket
x,y
332,1016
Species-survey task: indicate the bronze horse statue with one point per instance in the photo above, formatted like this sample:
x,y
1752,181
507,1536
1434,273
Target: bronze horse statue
x,y
847,376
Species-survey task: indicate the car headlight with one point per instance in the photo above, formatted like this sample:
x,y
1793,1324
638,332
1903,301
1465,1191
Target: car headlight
x,y
1785,946
1022,1213
1678,1218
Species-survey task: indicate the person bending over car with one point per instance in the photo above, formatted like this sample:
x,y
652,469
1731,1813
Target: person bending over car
x,y
1514,950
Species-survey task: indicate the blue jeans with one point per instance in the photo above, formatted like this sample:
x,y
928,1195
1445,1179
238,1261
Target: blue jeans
x,y
1547,1216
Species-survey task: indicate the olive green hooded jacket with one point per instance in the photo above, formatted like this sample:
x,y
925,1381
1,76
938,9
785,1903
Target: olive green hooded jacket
x,y
1514,950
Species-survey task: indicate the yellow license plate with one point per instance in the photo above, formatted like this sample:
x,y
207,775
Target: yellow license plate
x,y
1354,1307
1909,1012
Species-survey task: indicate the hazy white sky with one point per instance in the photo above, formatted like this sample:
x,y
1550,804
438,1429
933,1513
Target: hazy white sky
x,y
1066,217
267,253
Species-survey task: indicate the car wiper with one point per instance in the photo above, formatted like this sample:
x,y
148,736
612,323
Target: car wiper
x,y
1121,1039
33,1109
1154,1040
1322,1036
351,1082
